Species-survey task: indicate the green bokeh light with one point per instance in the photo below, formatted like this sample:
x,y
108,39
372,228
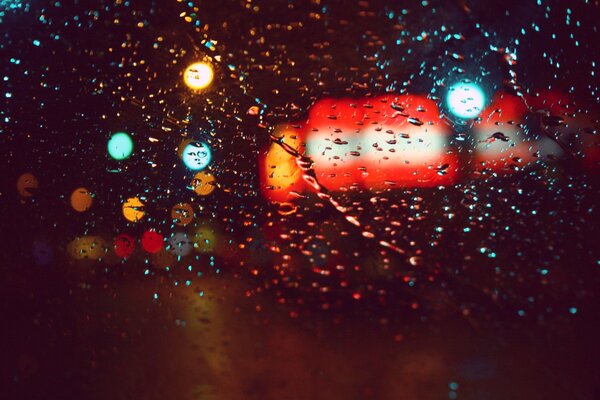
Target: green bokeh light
x,y
120,146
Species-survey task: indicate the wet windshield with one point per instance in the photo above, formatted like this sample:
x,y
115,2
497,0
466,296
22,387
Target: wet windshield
x,y
300,199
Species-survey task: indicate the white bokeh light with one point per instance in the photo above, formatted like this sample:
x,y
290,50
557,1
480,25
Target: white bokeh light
x,y
198,75
196,156
465,100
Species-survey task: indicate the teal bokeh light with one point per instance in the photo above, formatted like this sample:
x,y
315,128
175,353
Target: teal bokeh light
x,y
120,146
196,156
465,100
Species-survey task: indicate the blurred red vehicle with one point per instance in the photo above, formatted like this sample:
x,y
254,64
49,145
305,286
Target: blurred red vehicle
x,y
405,141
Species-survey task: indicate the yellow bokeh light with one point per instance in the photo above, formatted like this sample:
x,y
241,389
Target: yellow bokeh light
x,y
204,239
81,199
87,247
198,75
133,209
203,183
282,169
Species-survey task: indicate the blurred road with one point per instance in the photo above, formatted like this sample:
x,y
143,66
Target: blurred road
x,y
102,341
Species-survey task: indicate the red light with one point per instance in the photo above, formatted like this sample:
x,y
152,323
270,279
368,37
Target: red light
x,y
152,241
124,245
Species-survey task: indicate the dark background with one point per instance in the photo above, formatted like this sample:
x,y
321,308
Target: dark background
x,y
94,329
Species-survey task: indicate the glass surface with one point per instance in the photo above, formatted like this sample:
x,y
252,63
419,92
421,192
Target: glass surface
x,y
316,199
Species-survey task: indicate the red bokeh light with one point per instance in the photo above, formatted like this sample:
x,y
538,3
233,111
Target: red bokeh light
x,y
152,241
124,245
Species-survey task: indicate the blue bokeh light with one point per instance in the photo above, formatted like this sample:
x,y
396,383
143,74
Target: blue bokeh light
x,y
465,99
196,156
120,146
